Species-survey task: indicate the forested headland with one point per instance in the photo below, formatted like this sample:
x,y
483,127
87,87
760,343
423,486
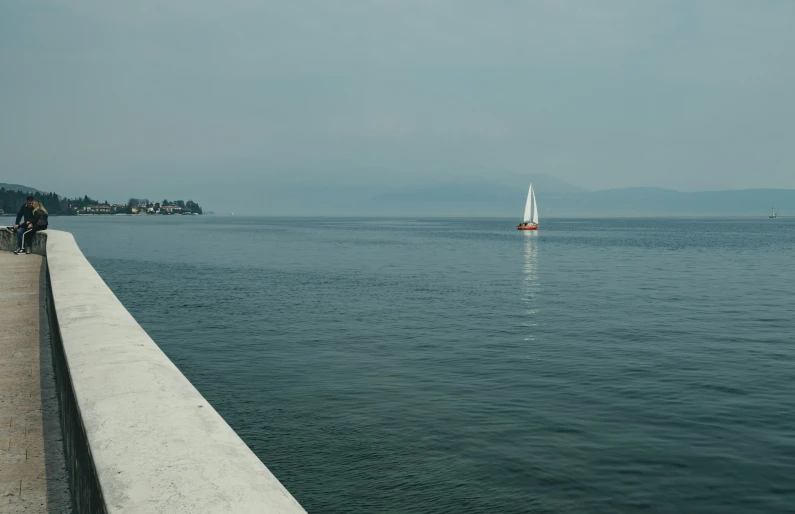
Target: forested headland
x,y
12,199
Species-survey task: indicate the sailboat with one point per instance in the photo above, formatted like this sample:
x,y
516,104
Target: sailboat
x,y
773,213
530,221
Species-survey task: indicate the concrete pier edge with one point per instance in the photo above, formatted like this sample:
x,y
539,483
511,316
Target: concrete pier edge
x,y
138,436
83,480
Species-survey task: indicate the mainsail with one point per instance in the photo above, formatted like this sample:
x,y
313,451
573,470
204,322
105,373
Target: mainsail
x,y
531,208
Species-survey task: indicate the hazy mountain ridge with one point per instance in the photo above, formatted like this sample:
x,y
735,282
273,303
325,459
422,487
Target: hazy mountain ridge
x,y
504,196
490,199
18,187
640,201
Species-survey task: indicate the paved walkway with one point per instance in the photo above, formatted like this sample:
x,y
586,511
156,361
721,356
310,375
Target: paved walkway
x,y
32,470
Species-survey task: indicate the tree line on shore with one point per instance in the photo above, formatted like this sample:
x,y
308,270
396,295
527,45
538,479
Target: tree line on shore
x,y
12,200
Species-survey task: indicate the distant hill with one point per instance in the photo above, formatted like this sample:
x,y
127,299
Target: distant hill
x,y
490,199
505,196
667,202
18,187
502,196
541,182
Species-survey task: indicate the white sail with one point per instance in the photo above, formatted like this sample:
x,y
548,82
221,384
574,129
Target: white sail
x,y
528,207
531,207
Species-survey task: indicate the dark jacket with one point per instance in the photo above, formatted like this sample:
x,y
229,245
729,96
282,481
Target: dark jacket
x,y
26,212
39,220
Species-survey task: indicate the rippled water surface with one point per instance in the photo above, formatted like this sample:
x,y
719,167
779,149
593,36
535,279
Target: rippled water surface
x,y
461,366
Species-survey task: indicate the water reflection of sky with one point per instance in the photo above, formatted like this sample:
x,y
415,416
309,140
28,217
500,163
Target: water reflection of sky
x,y
530,286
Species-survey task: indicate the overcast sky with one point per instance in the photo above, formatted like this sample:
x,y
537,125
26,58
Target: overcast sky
x,y
203,99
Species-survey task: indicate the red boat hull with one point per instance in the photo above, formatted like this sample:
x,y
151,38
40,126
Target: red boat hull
x,y
527,227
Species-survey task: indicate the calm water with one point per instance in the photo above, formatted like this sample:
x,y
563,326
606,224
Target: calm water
x,y
460,366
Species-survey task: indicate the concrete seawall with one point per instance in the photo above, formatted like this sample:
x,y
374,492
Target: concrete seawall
x,y
138,436
8,241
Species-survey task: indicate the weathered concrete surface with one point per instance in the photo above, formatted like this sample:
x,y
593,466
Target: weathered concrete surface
x,y
8,240
32,470
154,443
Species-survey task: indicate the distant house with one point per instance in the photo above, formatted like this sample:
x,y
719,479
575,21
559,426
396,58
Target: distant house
x,y
100,209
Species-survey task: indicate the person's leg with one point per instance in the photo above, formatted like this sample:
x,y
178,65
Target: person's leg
x,y
30,234
27,238
21,230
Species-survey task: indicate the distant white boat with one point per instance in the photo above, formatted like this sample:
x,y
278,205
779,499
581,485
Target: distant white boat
x,y
773,213
530,220
231,213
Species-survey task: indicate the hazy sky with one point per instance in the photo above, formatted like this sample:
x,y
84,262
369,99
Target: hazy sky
x,y
213,100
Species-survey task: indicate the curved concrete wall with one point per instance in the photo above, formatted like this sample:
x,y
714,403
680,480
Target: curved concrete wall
x,y
8,241
139,436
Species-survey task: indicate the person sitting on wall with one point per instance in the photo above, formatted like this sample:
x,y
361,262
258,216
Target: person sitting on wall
x,y
25,215
39,222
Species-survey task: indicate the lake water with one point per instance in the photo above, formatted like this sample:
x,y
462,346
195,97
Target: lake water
x,y
460,366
